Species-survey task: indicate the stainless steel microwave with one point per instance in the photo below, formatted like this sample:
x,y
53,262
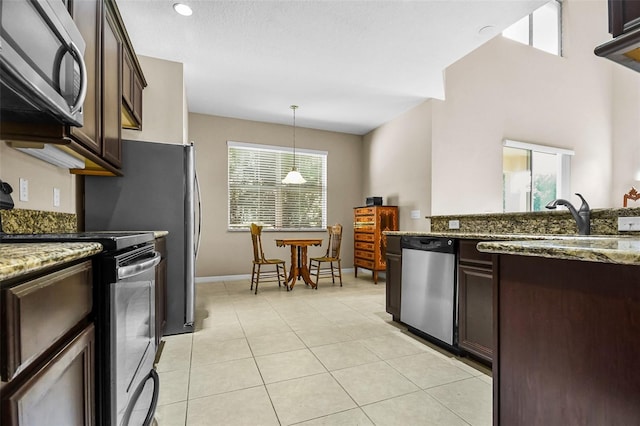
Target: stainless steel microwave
x,y
42,71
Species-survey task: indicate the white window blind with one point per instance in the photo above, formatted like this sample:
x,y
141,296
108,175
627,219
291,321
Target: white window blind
x,y
257,194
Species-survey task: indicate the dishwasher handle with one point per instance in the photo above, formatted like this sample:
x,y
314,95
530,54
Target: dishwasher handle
x,y
436,244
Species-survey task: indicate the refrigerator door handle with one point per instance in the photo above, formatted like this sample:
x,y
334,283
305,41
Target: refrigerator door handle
x,y
199,231
190,256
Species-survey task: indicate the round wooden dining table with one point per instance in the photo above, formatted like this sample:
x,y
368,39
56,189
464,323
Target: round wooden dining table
x,y
299,268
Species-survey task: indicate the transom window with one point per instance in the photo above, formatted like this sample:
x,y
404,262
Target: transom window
x,y
541,29
257,194
533,175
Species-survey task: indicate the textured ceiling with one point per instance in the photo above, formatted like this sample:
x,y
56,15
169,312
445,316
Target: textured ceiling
x,y
350,65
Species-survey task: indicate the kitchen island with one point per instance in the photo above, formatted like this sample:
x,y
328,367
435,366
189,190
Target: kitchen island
x,y
566,331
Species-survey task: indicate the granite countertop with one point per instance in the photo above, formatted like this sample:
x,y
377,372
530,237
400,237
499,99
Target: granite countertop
x,y
21,258
488,236
466,235
621,249
604,249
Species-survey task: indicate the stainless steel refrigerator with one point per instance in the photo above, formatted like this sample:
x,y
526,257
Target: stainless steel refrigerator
x,y
157,192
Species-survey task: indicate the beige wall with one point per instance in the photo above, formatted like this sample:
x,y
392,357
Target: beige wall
x,y
397,165
626,134
42,177
225,253
164,114
505,90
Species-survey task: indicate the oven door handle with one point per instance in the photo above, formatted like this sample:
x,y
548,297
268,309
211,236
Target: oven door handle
x,y
153,375
138,267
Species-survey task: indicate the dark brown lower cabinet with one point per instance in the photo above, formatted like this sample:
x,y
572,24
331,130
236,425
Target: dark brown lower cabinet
x,y
568,342
475,324
475,301
61,392
394,276
47,355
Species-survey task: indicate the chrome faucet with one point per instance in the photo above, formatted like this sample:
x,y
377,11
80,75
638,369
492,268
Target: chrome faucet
x,y
582,216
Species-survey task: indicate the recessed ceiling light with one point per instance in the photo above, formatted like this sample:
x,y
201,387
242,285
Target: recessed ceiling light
x,y
487,30
182,9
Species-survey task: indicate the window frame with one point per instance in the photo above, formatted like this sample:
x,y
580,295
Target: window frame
x,y
531,29
283,166
563,164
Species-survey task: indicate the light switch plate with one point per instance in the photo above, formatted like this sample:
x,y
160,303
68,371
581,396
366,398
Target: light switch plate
x,y
24,189
454,224
415,214
629,223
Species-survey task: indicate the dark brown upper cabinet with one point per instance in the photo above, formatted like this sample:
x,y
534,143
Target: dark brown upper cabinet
x,y
114,96
624,16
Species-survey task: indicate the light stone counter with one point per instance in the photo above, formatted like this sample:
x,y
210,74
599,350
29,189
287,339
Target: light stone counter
x,y
22,258
620,249
487,236
609,249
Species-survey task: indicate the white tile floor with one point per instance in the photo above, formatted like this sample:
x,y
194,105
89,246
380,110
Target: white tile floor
x,y
306,357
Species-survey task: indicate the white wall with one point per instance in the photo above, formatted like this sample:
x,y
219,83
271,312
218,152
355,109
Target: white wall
x,y
397,165
506,90
230,253
164,113
626,134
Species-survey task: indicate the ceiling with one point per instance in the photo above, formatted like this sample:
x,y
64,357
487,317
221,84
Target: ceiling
x,y
349,65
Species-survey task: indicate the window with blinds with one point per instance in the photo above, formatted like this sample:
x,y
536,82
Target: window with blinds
x,y
257,194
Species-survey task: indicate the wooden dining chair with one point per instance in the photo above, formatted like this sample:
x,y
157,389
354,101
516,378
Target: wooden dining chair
x,y
258,274
332,255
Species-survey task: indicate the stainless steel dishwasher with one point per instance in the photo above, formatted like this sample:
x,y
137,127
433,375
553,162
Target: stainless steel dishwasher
x,y
429,291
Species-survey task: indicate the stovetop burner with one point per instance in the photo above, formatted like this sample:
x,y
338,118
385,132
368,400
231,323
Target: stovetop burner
x,y
110,240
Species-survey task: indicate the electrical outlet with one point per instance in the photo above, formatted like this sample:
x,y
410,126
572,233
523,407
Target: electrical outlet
x,y
24,189
56,197
415,214
629,223
454,224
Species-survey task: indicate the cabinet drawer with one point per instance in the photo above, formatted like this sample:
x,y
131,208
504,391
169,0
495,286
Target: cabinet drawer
x,y
38,312
364,236
365,254
469,253
364,211
363,263
364,246
365,220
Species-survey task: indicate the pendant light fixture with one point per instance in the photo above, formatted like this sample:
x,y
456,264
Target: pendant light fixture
x,y
294,176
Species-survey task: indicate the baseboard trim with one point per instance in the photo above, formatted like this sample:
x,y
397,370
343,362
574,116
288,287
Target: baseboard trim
x,y
218,278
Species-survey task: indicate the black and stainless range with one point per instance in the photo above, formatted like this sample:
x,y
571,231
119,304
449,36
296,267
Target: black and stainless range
x,y
127,384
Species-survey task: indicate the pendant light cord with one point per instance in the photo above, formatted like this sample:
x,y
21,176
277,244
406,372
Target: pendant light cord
x,y
294,107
